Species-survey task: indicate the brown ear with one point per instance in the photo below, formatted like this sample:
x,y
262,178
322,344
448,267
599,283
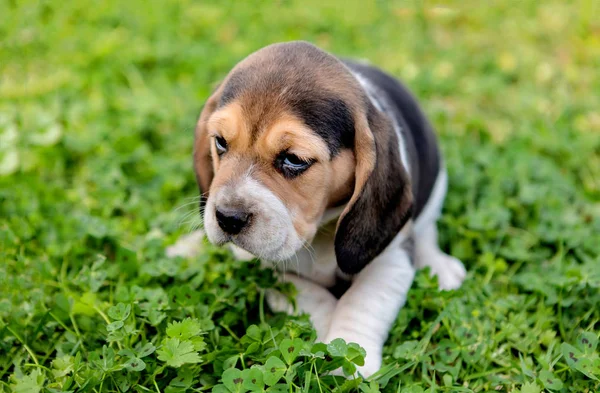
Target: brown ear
x,y
382,199
202,152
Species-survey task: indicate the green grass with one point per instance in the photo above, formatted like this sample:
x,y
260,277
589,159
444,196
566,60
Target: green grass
x,y
98,101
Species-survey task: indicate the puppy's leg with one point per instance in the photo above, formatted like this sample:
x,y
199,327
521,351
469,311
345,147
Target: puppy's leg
x,y
448,269
366,312
312,299
187,246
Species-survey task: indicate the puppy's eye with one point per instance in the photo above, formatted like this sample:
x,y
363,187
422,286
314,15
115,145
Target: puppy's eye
x,y
290,165
221,144
294,162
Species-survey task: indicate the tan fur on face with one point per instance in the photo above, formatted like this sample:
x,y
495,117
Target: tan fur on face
x,y
228,122
365,156
203,148
325,183
289,133
306,195
343,180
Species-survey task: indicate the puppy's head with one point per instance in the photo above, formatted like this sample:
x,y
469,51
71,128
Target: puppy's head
x,y
288,134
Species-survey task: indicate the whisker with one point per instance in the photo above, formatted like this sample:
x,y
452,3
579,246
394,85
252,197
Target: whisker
x,y
196,226
186,216
327,230
311,251
284,266
191,216
185,205
193,197
192,210
297,263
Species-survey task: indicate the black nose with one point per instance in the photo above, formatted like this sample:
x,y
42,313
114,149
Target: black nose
x,y
232,221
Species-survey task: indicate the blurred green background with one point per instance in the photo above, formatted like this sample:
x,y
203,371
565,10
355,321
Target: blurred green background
x,y
98,102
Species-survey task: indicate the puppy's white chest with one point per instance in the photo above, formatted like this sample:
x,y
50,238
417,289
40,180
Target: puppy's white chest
x,y
316,262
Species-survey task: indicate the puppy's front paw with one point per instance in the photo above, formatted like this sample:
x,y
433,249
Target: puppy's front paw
x,y
373,359
187,246
239,253
450,272
279,302
312,299
373,362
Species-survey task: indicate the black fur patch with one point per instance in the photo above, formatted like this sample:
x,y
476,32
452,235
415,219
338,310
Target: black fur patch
x,y
419,136
202,203
382,208
340,287
232,88
327,116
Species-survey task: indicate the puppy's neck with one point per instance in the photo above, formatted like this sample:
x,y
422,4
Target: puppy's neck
x,y
316,261
331,215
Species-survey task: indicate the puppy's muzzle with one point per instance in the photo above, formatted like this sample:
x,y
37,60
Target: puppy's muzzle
x,y
232,221
251,216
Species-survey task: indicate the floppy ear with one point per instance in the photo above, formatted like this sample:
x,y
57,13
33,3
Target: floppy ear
x,y
382,199
202,152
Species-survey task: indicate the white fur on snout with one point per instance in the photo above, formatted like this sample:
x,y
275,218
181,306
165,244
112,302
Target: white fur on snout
x,y
270,234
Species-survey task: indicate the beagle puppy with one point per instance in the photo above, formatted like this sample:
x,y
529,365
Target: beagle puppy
x,y
328,170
